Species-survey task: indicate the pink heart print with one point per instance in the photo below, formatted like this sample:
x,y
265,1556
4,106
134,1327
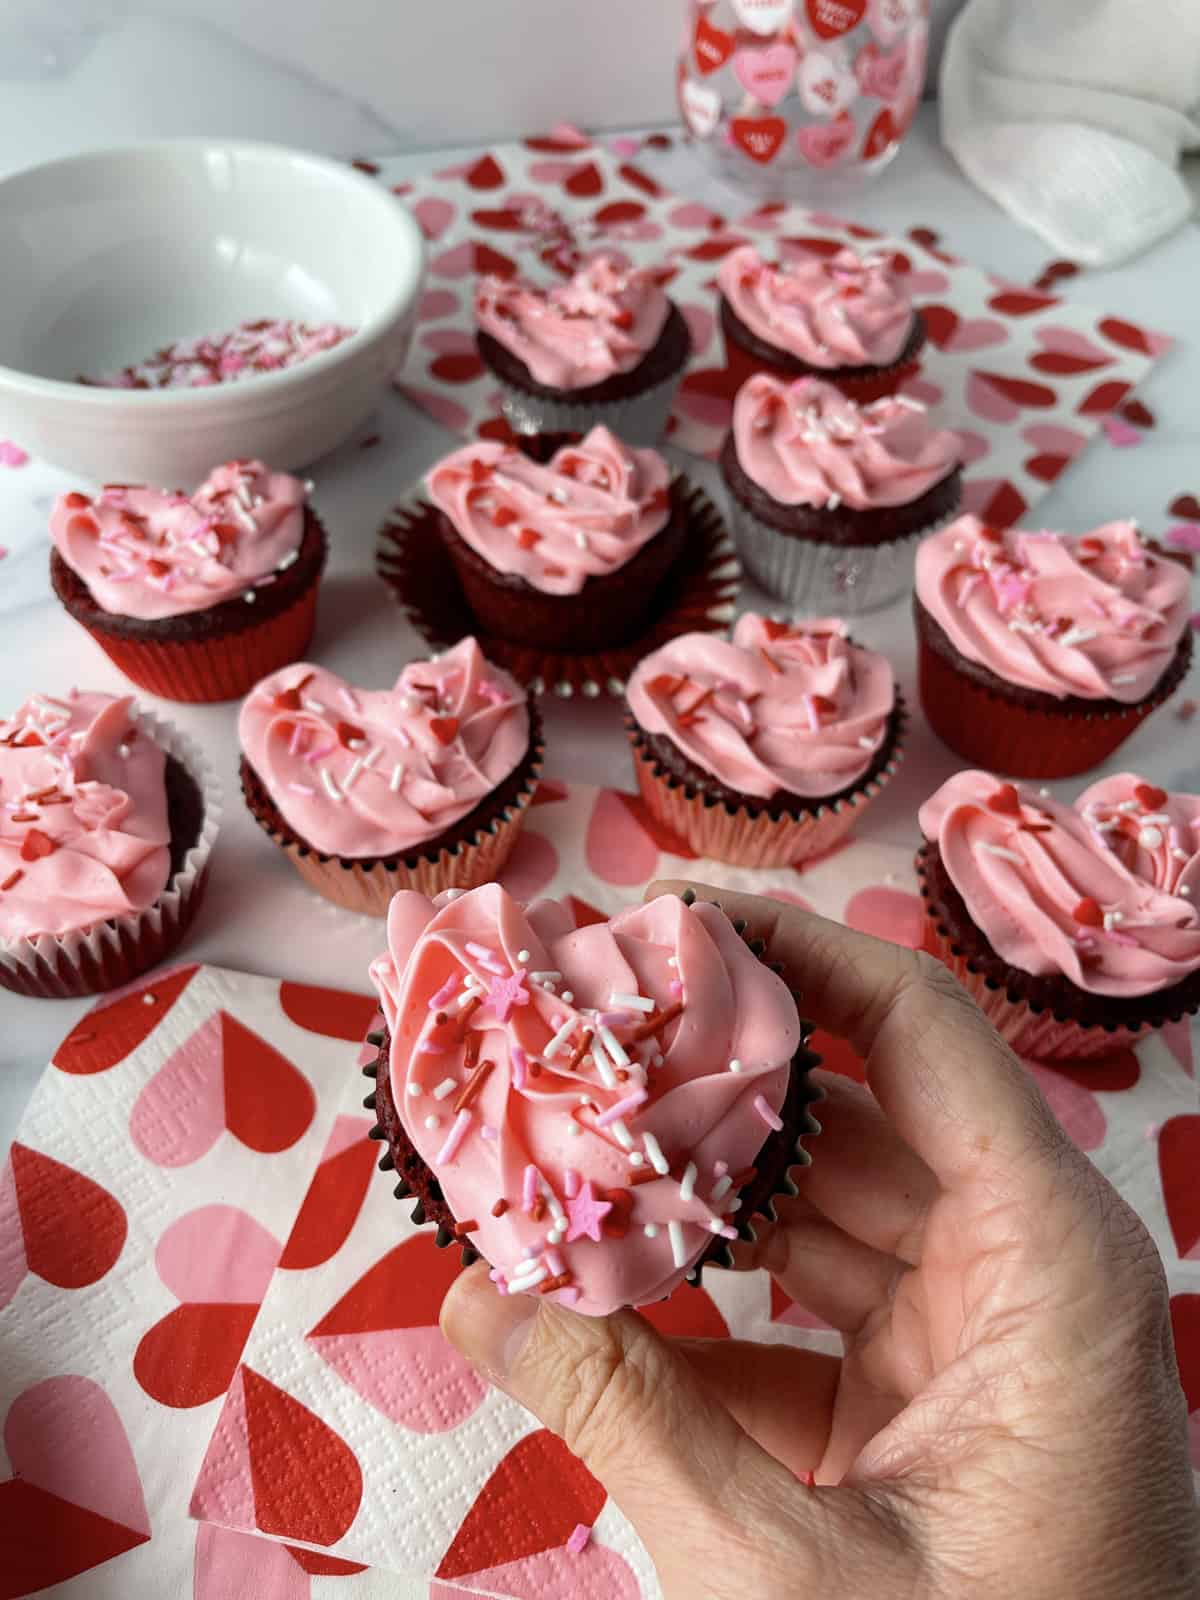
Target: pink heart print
x,y
822,144
766,73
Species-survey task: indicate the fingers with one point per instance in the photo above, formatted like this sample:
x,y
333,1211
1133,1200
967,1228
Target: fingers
x,y
953,1090
693,1482
837,1278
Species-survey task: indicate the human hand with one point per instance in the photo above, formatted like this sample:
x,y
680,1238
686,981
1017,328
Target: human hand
x,y
1006,1420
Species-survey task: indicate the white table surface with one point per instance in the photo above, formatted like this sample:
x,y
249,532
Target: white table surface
x,y
258,916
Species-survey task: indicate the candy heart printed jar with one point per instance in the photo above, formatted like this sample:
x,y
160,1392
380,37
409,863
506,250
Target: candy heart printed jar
x,y
801,99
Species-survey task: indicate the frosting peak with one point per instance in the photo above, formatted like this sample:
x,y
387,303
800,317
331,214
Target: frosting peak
x,y
782,707
83,815
602,322
584,514
1102,892
805,443
150,553
845,310
1098,615
374,772
542,1071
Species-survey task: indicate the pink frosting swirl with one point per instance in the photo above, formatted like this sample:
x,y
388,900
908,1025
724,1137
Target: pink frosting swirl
x,y
567,1099
584,514
1097,615
149,553
781,707
374,772
83,815
805,443
602,322
841,311
1059,889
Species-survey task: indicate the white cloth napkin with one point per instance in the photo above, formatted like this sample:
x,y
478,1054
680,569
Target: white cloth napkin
x,y
1073,114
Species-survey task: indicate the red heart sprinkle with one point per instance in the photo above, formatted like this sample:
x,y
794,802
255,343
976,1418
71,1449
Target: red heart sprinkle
x,y
1088,913
1150,796
823,705
569,466
346,731
444,729
616,1223
287,700
528,537
37,844
503,515
665,683
775,630
1005,800
157,569
623,320
480,472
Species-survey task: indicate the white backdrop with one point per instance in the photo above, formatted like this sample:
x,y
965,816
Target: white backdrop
x,y
347,76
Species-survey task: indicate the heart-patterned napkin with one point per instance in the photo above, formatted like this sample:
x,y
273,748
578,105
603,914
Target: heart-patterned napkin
x,y
1027,379
211,1302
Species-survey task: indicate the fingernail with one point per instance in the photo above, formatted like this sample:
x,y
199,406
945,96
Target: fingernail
x,y
489,1328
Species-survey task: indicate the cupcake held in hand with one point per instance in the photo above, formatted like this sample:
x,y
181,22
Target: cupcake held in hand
x,y
1075,928
846,318
597,1111
567,555
606,346
765,749
828,496
193,597
1040,653
423,786
107,824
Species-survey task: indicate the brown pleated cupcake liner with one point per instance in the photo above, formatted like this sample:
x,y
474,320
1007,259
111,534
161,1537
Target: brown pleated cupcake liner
x,y
990,730
1037,1033
746,837
697,597
367,886
205,670
782,1152
114,952
862,385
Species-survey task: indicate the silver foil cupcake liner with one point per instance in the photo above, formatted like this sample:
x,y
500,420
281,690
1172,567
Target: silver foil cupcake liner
x,y
641,419
823,579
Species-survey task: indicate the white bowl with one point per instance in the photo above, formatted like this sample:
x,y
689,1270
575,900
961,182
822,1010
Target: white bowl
x,y
107,256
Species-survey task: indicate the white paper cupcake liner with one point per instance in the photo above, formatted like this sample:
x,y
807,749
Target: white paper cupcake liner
x,y
641,419
824,579
113,952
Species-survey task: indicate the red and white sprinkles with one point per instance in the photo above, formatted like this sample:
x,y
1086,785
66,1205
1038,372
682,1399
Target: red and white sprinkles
x,y
248,351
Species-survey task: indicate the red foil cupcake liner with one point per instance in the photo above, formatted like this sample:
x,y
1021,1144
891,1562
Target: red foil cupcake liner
x,y
741,837
698,597
221,668
989,731
115,952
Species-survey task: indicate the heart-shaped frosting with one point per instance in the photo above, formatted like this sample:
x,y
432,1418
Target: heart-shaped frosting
x,y
844,310
1098,615
150,553
83,815
792,707
1102,892
587,1098
805,443
584,514
599,323
374,772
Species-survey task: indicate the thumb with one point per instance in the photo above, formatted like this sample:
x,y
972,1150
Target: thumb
x,y
717,1514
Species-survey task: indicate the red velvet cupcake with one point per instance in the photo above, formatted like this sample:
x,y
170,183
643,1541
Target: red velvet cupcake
x,y
194,597
846,319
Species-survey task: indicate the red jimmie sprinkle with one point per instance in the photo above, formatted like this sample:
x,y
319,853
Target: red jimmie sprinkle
x,y
287,700
527,538
346,732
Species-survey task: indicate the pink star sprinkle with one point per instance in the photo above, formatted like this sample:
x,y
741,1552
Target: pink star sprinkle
x,y
580,1536
505,993
11,455
586,1213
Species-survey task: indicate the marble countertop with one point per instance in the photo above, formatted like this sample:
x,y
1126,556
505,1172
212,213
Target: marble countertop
x,y
257,915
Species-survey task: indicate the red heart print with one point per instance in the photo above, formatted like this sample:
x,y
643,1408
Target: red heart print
x,y
463,367
1046,467
1138,413
319,1566
711,47
115,1028
584,912
503,221
1127,334
585,182
189,1356
1186,506
1001,503
444,729
830,19
759,137
65,1510
940,323
487,173
532,1502
36,845
1020,302
1016,391
639,179
1185,1330
306,1481
1105,397
619,211
881,135
688,1313
714,248
1178,1155
58,1224
333,1012
223,1076
334,1197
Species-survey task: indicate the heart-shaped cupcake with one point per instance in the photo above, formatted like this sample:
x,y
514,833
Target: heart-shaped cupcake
x,y
1075,926
591,1108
